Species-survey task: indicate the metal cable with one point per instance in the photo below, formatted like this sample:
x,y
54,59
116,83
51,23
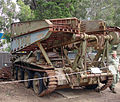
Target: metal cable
x,y
17,81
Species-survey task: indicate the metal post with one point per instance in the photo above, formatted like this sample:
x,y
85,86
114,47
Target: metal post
x,y
107,51
80,57
63,62
82,60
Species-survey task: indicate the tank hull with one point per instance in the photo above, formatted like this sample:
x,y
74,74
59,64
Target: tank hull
x,y
59,53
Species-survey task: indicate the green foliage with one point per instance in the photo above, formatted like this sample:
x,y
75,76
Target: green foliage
x,y
103,9
7,36
81,8
54,9
107,10
25,12
117,13
31,3
7,12
8,49
8,15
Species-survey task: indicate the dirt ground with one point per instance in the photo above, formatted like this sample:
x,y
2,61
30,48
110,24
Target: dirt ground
x,y
17,93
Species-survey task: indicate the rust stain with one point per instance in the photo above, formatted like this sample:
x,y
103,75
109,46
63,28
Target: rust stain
x,y
40,35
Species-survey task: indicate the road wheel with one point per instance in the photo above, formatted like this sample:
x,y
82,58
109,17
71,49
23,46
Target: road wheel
x,y
19,74
38,85
91,86
15,71
27,76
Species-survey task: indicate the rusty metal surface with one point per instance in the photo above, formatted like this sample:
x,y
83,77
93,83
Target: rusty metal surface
x,y
27,27
26,40
52,85
22,28
71,35
28,33
50,32
117,29
92,26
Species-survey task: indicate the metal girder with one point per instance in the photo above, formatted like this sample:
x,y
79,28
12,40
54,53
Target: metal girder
x,y
106,52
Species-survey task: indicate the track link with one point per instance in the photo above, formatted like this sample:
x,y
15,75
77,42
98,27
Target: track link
x,y
52,83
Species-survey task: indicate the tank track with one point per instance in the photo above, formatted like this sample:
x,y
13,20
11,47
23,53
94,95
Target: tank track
x,y
107,84
52,85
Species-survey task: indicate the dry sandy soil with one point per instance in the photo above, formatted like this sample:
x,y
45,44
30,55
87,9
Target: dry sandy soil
x,y
17,93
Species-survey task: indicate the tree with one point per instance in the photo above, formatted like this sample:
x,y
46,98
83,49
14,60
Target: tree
x,y
48,9
81,8
8,15
31,3
103,9
25,12
107,10
117,17
117,13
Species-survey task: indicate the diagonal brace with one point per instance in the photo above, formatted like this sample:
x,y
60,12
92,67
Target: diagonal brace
x,y
44,53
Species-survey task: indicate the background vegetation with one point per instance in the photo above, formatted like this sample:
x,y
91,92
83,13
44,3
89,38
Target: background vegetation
x,y
108,10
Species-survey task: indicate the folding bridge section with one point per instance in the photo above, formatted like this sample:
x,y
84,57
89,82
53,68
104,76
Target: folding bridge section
x,y
26,34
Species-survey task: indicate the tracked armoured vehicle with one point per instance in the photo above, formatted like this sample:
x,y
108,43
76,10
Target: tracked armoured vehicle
x,y
60,53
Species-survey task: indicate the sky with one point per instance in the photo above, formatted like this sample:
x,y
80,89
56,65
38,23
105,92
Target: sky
x,y
14,1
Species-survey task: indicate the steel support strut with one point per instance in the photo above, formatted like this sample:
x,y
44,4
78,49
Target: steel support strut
x,y
80,57
44,53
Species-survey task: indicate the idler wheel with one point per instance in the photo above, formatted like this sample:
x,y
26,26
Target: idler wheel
x,y
27,76
15,71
